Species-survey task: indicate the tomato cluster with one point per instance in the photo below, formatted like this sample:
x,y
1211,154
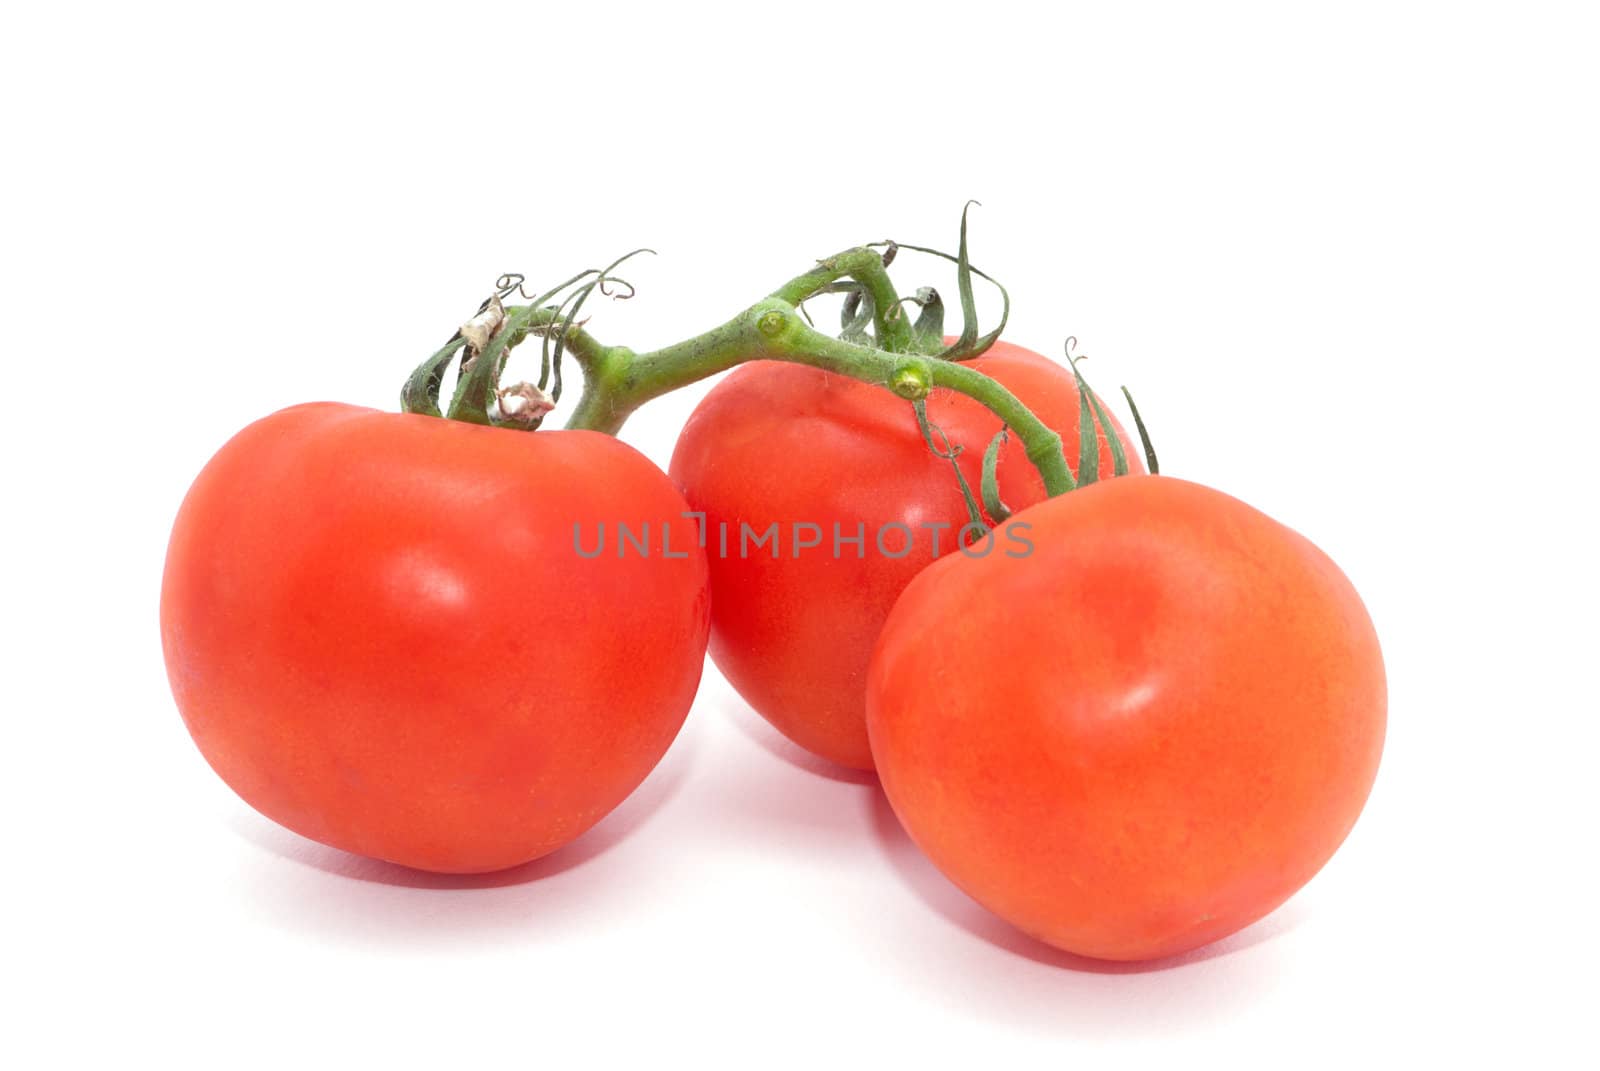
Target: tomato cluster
x,y
1130,719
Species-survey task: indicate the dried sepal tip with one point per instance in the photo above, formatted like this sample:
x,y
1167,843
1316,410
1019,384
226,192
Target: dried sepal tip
x,y
485,325
523,405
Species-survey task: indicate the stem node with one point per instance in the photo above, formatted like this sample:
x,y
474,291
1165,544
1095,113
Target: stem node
x,y
772,323
910,379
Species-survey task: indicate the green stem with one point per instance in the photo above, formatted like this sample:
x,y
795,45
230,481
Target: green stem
x,y
617,381
865,266
620,381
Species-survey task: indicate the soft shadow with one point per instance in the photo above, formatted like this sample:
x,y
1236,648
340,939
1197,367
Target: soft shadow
x,y
758,729
807,808
939,893
1039,985
341,895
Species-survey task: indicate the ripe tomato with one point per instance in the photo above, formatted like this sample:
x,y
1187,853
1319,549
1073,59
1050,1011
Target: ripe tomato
x,y
820,454
1144,735
380,632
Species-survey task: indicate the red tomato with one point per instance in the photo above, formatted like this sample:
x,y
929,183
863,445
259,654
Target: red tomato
x,y
809,450
380,632
1140,737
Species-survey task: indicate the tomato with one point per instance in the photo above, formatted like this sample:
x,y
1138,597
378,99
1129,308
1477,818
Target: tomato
x,y
380,632
820,454
1141,736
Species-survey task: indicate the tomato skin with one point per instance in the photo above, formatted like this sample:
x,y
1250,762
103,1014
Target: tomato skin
x,y
791,444
379,633
1143,736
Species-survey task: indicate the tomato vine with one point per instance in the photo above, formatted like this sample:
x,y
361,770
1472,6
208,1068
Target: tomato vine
x,y
618,380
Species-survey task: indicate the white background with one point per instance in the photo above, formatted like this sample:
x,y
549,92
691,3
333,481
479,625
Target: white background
x,y
1347,257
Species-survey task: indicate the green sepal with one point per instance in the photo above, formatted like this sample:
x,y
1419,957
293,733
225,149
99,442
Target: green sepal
x,y
929,327
990,485
1144,436
949,453
421,392
1088,443
1086,438
1119,458
858,313
573,304
850,307
544,348
968,345
475,391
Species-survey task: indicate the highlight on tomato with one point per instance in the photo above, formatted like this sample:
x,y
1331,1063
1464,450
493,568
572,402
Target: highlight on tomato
x,y
1143,735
